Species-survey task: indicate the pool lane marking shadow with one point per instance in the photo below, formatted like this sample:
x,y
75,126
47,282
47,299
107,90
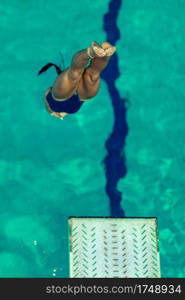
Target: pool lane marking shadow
x,y
115,161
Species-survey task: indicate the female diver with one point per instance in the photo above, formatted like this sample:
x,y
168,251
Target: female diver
x,y
78,83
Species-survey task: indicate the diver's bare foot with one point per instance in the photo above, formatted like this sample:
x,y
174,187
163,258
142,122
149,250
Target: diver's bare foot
x,y
108,48
95,50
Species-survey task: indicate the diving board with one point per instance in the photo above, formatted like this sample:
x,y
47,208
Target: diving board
x,y
113,247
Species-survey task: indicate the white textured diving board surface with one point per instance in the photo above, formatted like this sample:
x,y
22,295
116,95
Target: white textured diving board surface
x,y
113,247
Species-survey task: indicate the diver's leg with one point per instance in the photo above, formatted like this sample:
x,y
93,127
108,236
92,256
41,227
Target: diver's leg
x,y
90,82
67,82
89,85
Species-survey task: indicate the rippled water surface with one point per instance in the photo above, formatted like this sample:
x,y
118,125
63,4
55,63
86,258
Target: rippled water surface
x,y
52,169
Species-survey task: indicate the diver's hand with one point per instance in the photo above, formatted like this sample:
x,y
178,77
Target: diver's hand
x,y
58,115
54,114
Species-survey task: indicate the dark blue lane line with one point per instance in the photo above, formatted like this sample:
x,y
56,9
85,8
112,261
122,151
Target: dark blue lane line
x,y
115,161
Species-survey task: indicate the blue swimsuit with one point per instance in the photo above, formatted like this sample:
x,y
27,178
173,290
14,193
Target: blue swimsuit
x,y
70,106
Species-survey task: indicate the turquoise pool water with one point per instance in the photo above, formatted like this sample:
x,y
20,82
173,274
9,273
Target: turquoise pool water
x,y
51,169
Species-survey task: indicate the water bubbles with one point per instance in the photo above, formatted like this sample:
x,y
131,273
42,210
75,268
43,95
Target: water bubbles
x,y
35,243
54,272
